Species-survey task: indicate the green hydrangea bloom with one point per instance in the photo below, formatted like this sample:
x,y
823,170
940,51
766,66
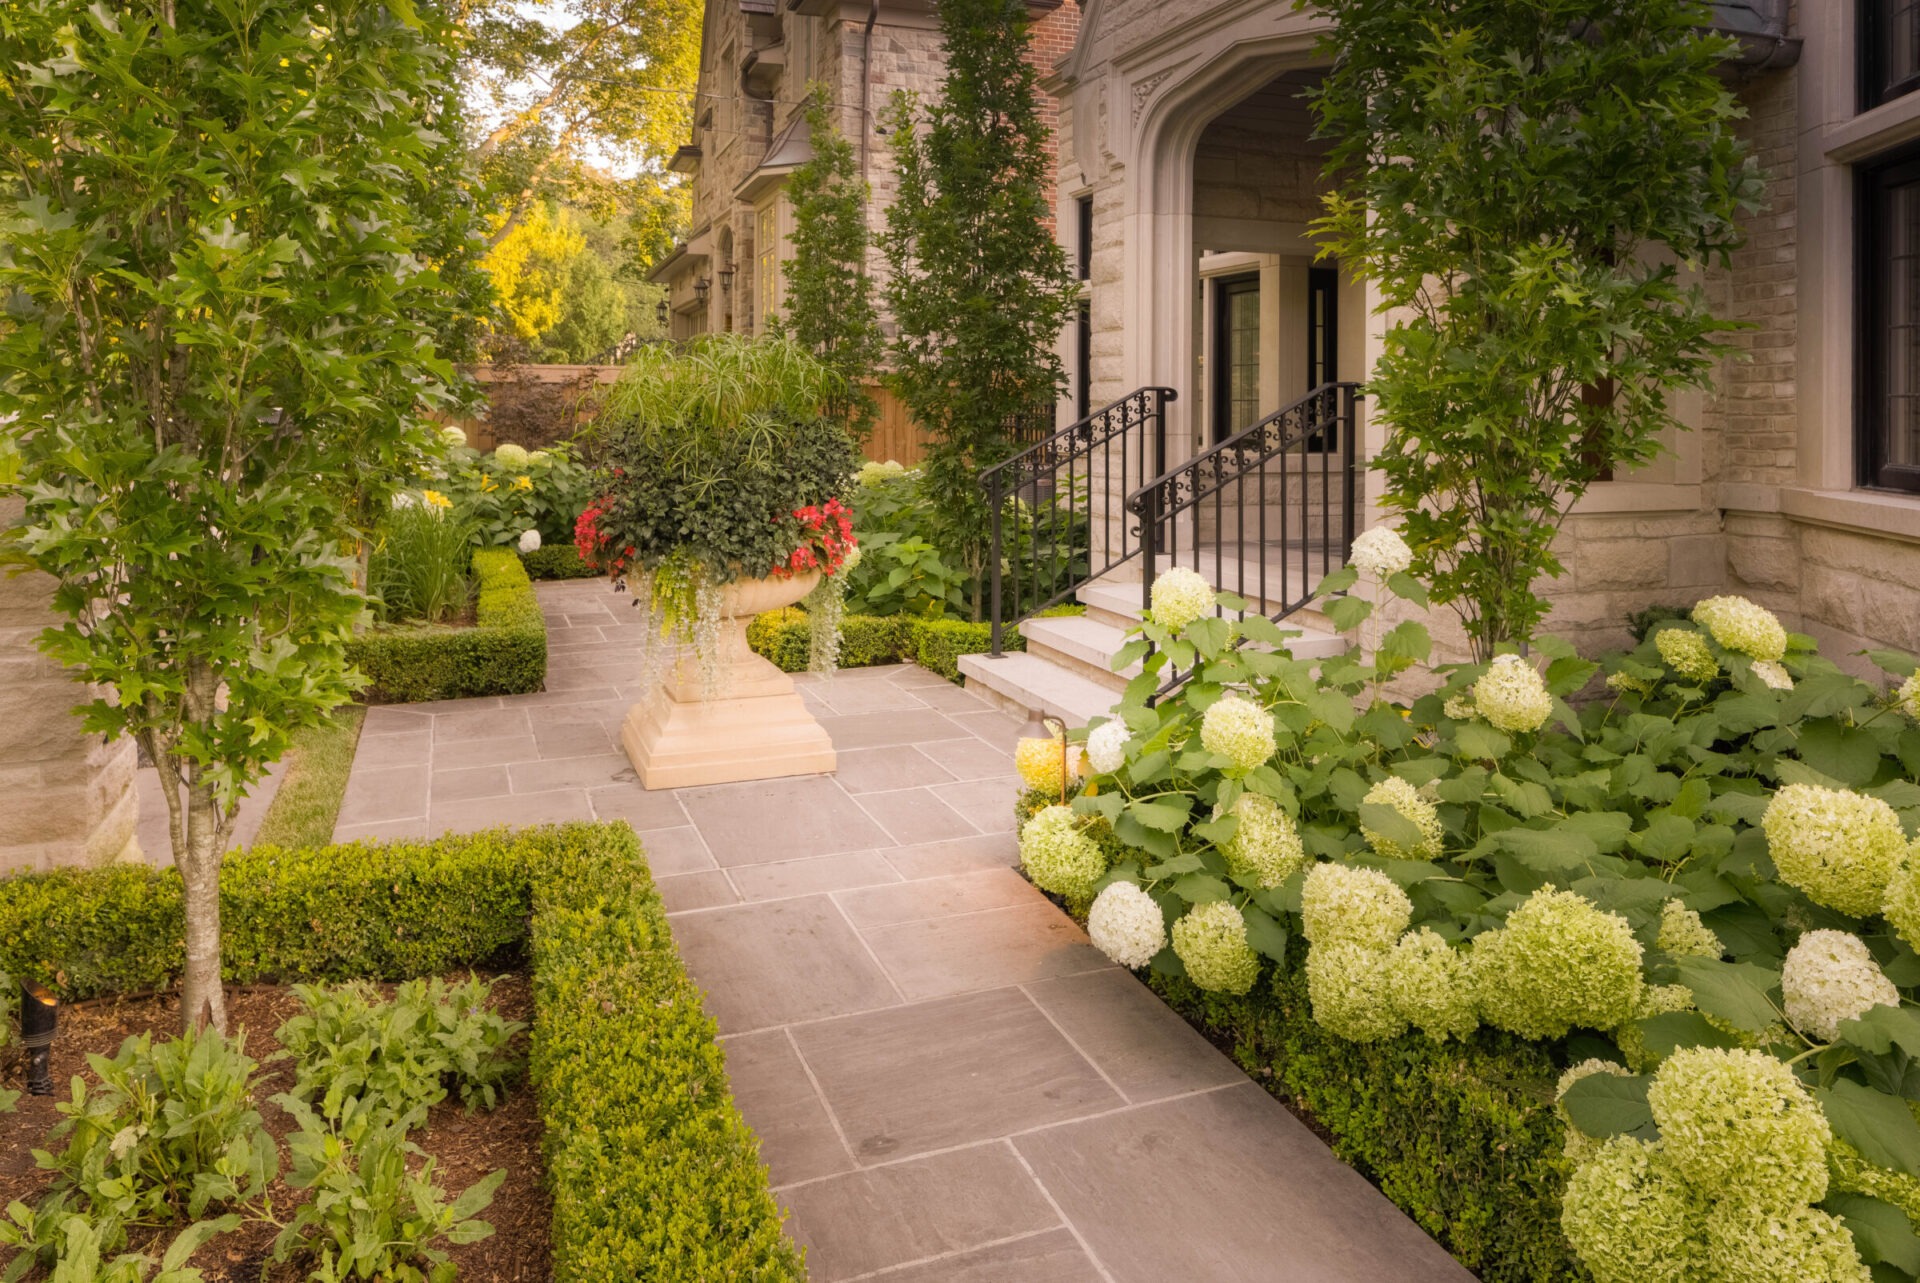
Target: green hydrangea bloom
x,y
1239,730
1734,1119
1427,983
1902,902
1686,653
1339,902
511,456
1684,935
1655,1000
1558,962
1059,856
1512,696
1631,1216
1406,799
1849,1172
1180,596
1211,940
1800,1243
1907,697
1743,626
1349,986
1579,1144
1840,847
1265,846
1830,977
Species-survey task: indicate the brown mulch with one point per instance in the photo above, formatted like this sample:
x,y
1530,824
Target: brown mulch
x,y
465,1147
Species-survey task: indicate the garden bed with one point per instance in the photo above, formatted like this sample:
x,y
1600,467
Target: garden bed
x,y
783,636
504,653
466,1147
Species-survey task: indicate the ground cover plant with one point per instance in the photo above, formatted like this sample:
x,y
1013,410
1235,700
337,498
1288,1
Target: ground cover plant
x,y
651,1171
1700,877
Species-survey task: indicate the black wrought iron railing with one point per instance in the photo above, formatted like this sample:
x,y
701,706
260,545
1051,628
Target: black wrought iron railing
x,y
1266,514
1058,507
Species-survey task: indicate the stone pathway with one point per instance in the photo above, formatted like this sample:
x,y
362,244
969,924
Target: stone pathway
x,y
948,1082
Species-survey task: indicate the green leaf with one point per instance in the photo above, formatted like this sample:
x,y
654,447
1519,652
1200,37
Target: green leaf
x,y
1186,862
1347,613
1201,888
1603,1105
1268,937
1339,581
1129,654
1479,742
1390,824
1737,992
1880,1231
1880,1029
1897,662
1877,1125
1848,755
1664,1034
1551,849
1407,588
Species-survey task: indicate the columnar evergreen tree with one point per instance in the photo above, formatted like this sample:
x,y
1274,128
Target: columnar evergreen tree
x,y
978,287
225,234
830,308
1525,181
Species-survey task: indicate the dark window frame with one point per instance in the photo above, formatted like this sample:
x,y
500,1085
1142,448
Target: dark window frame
x,y
1225,289
1873,324
1872,43
1083,223
1083,361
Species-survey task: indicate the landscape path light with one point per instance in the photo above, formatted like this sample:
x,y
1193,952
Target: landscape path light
x,y
39,1017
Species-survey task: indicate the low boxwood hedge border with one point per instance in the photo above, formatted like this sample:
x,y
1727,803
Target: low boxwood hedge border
x,y
937,644
557,561
504,653
654,1174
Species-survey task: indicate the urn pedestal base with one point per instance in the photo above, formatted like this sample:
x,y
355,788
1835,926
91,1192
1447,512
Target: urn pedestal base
x,y
756,728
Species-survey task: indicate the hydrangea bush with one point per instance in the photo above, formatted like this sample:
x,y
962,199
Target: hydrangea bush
x,y
1692,862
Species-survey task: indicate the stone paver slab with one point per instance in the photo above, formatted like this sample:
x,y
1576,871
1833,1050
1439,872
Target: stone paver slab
x,y
769,820
984,950
394,719
1142,1046
671,851
1052,1256
798,1141
868,1220
480,724
1241,1192
570,772
937,1074
987,804
638,807
403,748
940,859
779,962
971,759
949,698
512,748
995,727
915,816
384,793
936,898
856,692
706,889
557,806
572,738
912,675
881,730
382,831
813,876
469,782
870,770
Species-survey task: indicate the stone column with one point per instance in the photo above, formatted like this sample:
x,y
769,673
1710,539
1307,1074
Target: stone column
x,y
68,795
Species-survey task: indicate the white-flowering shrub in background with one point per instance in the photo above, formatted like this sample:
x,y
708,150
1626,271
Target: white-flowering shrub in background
x,y
1211,941
1403,797
1512,696
453,436
1686,653
1380,553
1558,962
1344,903
1265,847
529,542
873,472
1238,730
1428,987
1772,674
1179,597
1743,626
1829,977
1907,697
1107,747
1684,935
1125,924
512,456
1838,846
1349,986
1058,855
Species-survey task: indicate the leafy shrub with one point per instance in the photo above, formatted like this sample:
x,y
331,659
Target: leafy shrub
x,y
504,653
76,1249
502,494
368,1217
783,636
654,1175
395,1057
417,569
556,561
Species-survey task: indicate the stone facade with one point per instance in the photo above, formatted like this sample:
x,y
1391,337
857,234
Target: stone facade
x,y
70,795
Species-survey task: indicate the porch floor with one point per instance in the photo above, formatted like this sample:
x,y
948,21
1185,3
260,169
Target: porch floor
x,y
947,1080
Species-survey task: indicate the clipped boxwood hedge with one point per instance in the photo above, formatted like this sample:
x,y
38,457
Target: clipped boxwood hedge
x,y
504,653
557,561
654,1174
937,644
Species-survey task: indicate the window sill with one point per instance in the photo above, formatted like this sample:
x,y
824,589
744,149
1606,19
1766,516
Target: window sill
x,y
1639,496
1889,515
1871,132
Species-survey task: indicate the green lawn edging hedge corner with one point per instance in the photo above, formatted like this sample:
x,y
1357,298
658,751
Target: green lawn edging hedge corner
x,y
504,653
557,561
654,1174
865,640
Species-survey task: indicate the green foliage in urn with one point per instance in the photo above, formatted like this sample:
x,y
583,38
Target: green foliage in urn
x,y
216,240
1528,183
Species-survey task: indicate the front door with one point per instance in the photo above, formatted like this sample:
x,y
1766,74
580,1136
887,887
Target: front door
x,y
1236,354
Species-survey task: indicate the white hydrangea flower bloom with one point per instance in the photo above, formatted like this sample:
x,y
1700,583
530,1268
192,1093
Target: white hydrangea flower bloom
x,y
1348,986
1628,682
538,458
530,541
406,499
1211,941
1829,977
1266,845
1686,653
511,456
1180,596
1406,799
852,559
453,436
1512,695
1684,935
1773,673
1126,925
872,473
1460,708
1343,902
1238,730
1380,553
1838,846
1107,747
1908,697
1743,626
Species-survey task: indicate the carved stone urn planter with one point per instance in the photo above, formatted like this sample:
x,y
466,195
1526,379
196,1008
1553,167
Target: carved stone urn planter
x,y
755,728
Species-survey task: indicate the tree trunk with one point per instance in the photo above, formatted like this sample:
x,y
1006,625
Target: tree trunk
x,y
203,1001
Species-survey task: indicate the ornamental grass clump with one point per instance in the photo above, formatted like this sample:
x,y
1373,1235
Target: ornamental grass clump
x,y
1422,814
1744,627
1559,962
1839,847
1179,597
1059,856
1126,924
1341,903
1211,942
1512,696
1828,977
1428,986
1265,848
1350,986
